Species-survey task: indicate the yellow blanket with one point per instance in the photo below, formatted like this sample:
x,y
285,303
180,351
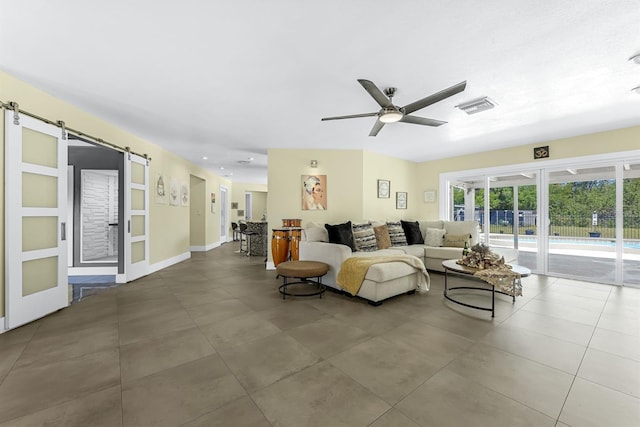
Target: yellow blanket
x,y
354,269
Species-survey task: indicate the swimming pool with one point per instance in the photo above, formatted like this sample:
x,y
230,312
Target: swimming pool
x,y
629,244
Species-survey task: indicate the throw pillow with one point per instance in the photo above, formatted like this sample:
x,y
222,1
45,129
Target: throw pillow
x,y
341,234
412,232
434,237
316,234
382,237
457,240
396,234
364,237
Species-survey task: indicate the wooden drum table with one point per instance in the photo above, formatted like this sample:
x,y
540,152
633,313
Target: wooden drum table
x,y
280,245
452,267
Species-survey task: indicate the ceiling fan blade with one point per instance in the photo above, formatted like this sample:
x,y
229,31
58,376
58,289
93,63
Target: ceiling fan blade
x,y
352,116
421,121
376,93
376,128
436,97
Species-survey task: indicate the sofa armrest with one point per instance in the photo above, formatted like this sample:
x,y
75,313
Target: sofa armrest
x,y
332,254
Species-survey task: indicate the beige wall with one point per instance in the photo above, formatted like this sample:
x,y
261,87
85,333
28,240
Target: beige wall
x,y
619,140
259,205
344,185
169,234
402,174
197,211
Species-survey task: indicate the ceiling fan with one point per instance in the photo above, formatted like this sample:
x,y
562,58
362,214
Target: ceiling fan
x,y
390,113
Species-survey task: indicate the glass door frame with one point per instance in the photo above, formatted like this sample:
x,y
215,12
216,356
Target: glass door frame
x,y
542,169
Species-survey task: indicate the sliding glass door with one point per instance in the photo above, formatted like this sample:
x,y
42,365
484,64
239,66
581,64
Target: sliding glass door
x,y
578,219
513,214
508,219
631,222
582,223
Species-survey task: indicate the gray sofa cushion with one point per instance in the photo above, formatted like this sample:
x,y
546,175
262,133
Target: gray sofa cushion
x,y
443,253
415,250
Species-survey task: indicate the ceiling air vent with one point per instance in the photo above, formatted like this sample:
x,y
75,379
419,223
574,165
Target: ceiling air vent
x,y
246,162
476,105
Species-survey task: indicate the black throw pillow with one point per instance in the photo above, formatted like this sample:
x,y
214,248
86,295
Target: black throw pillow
x,y
341,234
412,231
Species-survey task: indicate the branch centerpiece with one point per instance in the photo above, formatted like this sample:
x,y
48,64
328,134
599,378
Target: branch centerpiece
x,y
481,257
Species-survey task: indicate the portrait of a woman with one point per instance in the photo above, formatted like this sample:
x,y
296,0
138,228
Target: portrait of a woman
x,y
314,192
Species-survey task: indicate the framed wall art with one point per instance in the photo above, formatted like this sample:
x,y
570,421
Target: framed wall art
x,y
314,192
174,192
430,196
384,189
160,190
401,200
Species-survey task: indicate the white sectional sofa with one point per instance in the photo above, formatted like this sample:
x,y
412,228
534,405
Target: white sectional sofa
x,y
389,279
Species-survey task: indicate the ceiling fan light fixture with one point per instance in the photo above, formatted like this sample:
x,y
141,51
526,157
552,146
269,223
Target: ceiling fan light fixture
x,y
391,116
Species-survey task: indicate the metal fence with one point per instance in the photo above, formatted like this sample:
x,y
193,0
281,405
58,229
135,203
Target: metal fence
x,y
594,226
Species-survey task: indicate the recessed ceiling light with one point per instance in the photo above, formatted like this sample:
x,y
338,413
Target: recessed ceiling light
x,y
635,59
205,158
221,168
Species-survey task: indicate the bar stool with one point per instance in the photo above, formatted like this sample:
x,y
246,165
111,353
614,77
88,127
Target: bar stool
x,y
236,232
242,227
247,237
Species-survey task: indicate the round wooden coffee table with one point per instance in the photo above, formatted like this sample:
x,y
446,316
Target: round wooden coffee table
x,y
452,267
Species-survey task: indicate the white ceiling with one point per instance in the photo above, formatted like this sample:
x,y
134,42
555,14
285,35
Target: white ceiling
x,y
228,80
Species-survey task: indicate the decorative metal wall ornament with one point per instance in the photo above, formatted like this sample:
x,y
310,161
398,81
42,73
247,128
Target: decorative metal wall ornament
x,y
541,152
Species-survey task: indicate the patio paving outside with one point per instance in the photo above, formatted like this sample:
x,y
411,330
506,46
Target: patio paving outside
x,y
578,258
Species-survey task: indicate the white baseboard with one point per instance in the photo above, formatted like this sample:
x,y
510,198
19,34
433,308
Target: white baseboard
x,y
2,326
204,248
169,262
213,245
270,266
121,278
92,271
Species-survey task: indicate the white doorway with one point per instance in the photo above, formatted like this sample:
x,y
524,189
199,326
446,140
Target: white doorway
x,y
248,205
35,220
136,211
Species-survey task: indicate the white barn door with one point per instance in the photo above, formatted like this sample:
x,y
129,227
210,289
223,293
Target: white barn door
x,y
36,282
136,205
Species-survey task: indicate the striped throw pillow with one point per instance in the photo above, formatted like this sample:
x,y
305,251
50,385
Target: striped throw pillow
x,y
364,237
396,234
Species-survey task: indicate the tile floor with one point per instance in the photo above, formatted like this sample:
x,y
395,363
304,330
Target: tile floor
x,y
210,342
